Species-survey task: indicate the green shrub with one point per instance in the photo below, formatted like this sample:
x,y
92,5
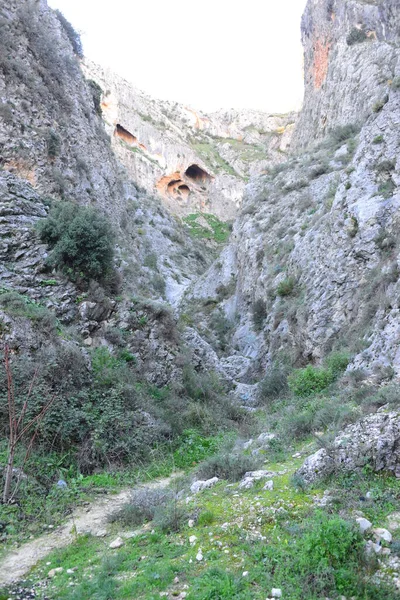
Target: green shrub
x,y
259,313
81,240
286,287
72,35
141,507
312,380
17,305
193,447
378,139
274,384
309,381
344,132
227,465
336,363
216,584
53,144
206,517
356,36
170,516
331,543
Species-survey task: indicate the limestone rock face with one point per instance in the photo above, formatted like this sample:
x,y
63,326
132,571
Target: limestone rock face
x,y
195,162
314,250
350,56
374,440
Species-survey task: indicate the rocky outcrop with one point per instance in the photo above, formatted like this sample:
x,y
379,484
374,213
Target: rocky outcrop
x,y
195,162
373,441
350,56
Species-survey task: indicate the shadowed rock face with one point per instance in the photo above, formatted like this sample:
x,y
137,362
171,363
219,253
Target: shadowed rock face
x,y
343,81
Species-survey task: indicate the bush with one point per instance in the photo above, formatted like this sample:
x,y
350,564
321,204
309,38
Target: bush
x,y
53,144
286,287
309,381
312,380
72,35
170,517
331,543
337,362
141,507
356,36
194,447
259,310
81,240
274,384
226,465
344,132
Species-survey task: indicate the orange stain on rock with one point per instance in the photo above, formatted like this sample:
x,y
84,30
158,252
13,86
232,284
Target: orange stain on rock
x,y
321,62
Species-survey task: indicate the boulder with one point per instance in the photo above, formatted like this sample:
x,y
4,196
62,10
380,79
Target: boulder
x,y
199,485
374,440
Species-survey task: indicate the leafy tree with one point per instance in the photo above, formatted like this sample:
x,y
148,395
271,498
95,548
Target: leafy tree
x,y
81,240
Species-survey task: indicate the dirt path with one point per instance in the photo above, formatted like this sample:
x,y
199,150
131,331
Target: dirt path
x,y
90,519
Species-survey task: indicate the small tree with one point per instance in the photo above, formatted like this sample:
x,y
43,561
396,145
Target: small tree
x,y
81,240
17,428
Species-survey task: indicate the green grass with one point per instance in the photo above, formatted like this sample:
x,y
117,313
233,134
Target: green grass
x,y
279,537
217,231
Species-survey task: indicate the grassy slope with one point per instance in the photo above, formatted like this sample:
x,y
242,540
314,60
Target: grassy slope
x,y
242,530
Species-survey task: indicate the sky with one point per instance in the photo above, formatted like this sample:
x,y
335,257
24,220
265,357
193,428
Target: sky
x,y
208,54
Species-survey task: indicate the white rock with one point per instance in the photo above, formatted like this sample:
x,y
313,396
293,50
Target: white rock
x,y
176,580
190,523
394,521
101,533
247,483
382,534
117,543
363,523
261,474
245,573
269,485
54,572
199,555
372,547
199,485
192,539
276,593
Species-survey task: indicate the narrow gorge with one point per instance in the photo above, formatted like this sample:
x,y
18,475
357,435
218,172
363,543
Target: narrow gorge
x,y
206,299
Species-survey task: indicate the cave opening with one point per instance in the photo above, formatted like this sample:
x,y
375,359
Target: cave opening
x,y
184,190
124,134
197,174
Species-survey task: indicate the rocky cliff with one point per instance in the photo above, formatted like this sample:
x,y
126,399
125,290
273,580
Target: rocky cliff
x,y
312,264
195,162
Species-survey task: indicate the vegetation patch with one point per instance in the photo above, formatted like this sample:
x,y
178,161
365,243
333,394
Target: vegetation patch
x,y
216,230
81,241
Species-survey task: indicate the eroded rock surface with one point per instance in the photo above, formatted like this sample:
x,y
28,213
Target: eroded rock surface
x,y
373,441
